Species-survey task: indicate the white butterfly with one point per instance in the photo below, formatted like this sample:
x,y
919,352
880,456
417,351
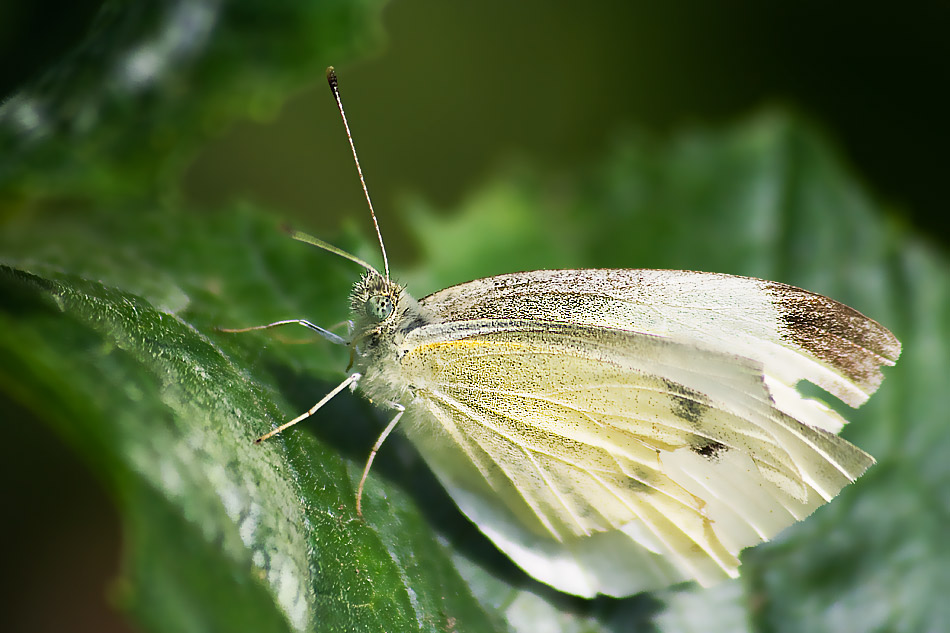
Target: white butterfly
x,y
615,431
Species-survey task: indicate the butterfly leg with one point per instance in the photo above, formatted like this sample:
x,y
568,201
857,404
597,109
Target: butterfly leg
x,y
351,379
327,334
400,410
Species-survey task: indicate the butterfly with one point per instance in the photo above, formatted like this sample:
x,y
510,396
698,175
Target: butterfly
x,y
615,431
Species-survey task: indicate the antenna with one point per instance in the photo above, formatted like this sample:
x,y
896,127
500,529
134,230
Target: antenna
x,y
335,89
300,236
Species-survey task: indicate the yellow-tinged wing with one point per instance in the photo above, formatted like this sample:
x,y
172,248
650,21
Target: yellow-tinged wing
x,y
610,461
795,334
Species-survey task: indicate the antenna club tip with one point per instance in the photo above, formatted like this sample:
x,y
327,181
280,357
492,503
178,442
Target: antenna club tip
x,y
331,77
287,228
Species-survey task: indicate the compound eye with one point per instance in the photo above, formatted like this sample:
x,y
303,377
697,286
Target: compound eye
x,y
379,307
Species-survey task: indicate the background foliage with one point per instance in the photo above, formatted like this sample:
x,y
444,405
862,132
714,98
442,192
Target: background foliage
x,y
120,259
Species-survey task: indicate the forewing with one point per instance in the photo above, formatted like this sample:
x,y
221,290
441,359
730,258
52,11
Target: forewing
x,y
586,435
795,334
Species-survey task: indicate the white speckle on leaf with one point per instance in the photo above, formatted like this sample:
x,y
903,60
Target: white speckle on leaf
x,y
249,525
25,113
232,497
290,594
184,31
142,65
170,478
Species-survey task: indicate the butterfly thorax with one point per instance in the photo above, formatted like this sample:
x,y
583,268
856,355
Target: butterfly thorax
x,y
383,313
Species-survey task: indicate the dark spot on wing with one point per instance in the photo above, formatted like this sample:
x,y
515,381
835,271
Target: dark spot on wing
x,y
688,404
707,448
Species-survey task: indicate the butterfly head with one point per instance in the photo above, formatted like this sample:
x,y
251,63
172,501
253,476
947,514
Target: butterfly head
x,y
373,300
382,311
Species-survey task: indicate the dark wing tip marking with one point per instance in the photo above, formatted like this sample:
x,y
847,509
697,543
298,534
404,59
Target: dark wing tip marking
x,y
840,336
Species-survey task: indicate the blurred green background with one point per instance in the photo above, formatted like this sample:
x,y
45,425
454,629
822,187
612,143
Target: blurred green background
x,y
450,90
456,89
442,98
